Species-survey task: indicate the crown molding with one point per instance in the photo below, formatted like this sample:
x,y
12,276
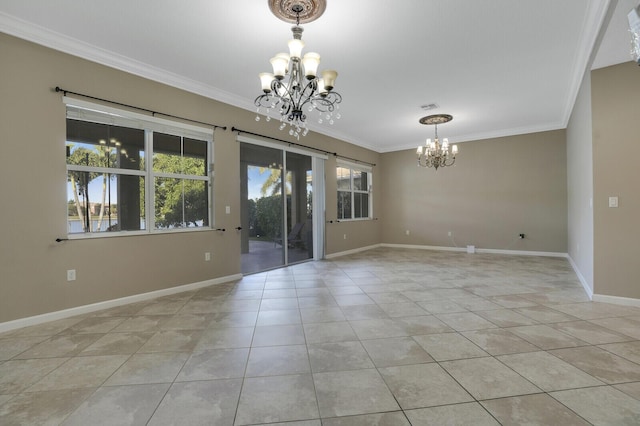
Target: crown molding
x,y
593,29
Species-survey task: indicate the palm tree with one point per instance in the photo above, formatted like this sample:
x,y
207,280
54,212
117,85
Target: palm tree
x,y
80,182
273,182
101,157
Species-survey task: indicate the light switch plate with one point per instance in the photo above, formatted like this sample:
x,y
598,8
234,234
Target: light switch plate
x,y
613,201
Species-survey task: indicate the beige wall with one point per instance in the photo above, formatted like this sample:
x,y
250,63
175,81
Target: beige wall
x,y
497,189
580,184
615,95
33,190
359,233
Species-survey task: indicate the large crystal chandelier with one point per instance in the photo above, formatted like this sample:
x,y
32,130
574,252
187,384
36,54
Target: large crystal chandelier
x,y
433,153
294,87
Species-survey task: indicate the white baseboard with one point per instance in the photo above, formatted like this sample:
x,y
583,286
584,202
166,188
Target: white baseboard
x,y
523,252
354,251
616,300
478,250
583,281
421,247
445,248
66,313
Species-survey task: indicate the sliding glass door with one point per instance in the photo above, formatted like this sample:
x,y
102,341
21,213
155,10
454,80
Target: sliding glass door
x,y
299,208
276,207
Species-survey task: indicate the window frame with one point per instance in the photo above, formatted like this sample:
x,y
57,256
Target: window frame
x,y
101,114
352,191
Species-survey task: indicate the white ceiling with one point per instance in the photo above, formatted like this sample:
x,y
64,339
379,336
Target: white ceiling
x,y
500,67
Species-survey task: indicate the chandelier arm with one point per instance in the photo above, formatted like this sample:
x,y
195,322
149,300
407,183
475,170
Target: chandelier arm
x,y
427,162
293,98
436,159
327,103
307,93
259,100
266,101
285,102
288,89
309,88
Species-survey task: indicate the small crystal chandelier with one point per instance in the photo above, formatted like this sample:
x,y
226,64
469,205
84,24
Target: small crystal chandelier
x,y
294,86
433,153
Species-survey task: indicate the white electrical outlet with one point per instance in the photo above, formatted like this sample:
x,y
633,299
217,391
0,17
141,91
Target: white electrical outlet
x,y
207,256
71,274
407,232
344,236
449,233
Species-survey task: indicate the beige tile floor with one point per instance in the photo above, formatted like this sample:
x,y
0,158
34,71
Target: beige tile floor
x,y
384,337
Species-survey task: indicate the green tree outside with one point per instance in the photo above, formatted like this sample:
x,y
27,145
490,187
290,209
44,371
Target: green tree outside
x,y
180,202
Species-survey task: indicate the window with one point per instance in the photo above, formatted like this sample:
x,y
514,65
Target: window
x,y
134,173
180,185
354,191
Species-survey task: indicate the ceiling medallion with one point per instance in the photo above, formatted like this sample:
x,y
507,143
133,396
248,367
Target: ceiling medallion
x,y
302,11
436,119
435,153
